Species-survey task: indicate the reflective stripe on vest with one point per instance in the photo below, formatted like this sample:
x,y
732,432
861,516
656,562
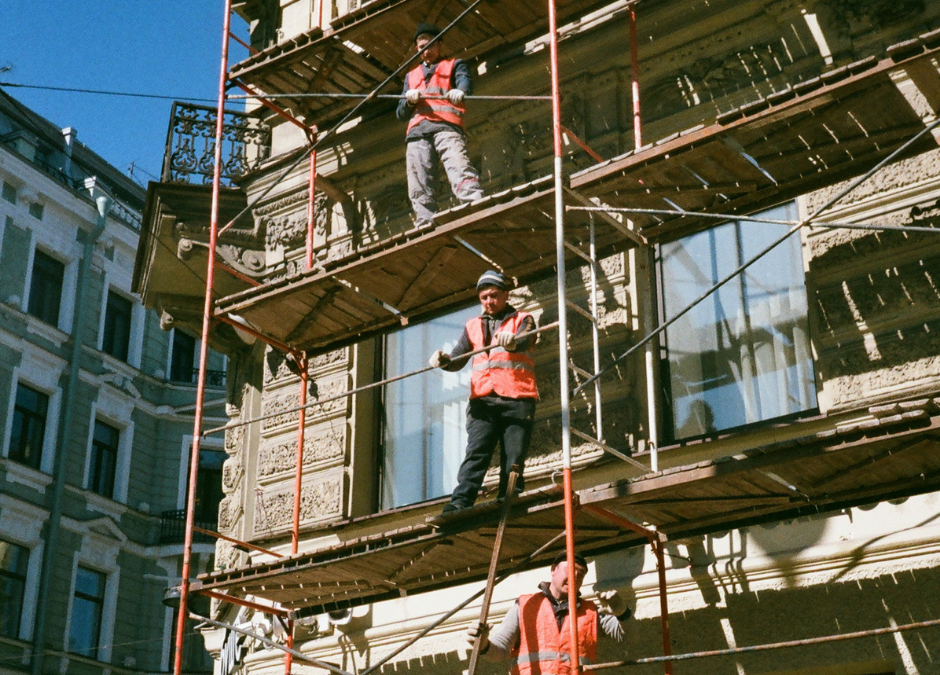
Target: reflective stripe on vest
x,y
436,110
543,648
508,374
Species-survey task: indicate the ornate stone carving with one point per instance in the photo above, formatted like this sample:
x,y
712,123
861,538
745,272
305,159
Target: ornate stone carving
x,y
318,389
317,501
320,444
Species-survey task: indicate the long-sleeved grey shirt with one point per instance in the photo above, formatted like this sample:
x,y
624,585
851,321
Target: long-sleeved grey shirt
x,y
505,637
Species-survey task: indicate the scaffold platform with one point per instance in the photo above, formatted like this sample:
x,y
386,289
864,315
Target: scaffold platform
x,y
893,452
805,137
363,48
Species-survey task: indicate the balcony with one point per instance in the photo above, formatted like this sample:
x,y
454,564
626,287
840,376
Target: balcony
x,y
173,528
190,145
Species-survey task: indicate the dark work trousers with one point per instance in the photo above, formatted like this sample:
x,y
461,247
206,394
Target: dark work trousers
x,y
491,420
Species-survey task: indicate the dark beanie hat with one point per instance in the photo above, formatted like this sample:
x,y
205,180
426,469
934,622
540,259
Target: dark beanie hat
x,y
426,29
563,557
493,278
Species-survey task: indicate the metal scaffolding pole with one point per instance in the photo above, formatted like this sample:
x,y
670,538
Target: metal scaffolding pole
x,y
183,614
563,339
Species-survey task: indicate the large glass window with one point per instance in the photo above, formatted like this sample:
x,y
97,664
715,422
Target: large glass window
x,y
117,326
87,608
425,428
29,426
45,289
13,565
742,355
104,452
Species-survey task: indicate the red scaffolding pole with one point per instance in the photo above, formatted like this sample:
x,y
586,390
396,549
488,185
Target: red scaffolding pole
x,y
183,615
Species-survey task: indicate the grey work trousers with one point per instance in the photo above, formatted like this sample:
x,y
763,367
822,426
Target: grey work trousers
x,y
422,156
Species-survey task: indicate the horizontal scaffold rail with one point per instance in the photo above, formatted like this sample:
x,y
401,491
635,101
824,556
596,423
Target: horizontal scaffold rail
x,y
893,454
362,48
750,158
806,137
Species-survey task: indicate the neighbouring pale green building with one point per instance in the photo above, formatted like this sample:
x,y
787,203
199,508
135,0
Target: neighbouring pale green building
x,y
95,419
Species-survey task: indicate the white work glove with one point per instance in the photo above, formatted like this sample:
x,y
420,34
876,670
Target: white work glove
x,y
478,630
611,603
455,96
506,340
439,359
413,96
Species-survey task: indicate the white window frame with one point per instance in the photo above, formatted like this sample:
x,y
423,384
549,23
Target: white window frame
x,y
20,526
112,410
69,283
40,379
135,340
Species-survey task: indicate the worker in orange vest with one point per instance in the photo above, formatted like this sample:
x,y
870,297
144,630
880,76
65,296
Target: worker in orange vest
x,y
432,105
535,633
502,389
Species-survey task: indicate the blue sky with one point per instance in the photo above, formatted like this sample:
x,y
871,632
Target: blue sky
x,y
166,47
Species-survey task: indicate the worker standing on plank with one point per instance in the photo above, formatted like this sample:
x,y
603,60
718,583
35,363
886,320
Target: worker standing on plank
x,y
502,389
535,633
436,127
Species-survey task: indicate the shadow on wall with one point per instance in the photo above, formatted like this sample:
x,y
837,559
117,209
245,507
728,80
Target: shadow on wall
x,y
875,300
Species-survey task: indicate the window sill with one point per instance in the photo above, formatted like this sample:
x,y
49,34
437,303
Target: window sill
x,y
103,505
45,330
24,475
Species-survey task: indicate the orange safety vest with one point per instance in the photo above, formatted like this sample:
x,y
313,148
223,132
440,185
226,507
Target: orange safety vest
x,y
545,650
509,374
436,110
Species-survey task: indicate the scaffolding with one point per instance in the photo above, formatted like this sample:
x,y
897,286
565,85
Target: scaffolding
x,y
347,302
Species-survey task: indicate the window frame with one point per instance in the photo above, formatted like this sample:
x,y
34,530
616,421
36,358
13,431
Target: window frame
x,y
43,437
43,292
97,452
23,578
99,602
669,428
107,345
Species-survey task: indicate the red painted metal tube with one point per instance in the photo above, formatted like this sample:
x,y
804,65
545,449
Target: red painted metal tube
x,y
299,471
237,542
572,572
581,144
635,65
243,43
203,350
311,204
267,104
656,543
241,602
224,318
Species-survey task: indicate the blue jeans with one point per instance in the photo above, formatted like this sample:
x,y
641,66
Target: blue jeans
x,y
492,420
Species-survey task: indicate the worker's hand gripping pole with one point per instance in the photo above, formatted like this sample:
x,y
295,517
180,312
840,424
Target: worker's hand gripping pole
x,y
494,563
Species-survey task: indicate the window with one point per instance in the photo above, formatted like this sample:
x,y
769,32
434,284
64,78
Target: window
x,y
182,358
117,326
742,355
36,210
9,193
87,606
425,432
104,452
29,426
209,485
13,562
45,289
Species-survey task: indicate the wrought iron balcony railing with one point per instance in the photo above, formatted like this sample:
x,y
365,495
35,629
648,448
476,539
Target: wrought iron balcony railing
x,y
190,145
173,528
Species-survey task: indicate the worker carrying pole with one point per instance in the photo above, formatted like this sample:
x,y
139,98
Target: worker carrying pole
x,y
502,389
436,126
535,631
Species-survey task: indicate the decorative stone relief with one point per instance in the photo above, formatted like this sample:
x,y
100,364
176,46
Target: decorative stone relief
x,y
320,445
319,389
317,501
230,510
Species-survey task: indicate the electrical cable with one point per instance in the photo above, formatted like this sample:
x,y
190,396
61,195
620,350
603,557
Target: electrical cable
x,y
105,92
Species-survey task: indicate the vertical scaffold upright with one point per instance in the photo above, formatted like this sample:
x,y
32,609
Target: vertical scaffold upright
x,y
564,362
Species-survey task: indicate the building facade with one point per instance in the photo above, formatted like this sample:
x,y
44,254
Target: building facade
x,y
96,409
830,336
